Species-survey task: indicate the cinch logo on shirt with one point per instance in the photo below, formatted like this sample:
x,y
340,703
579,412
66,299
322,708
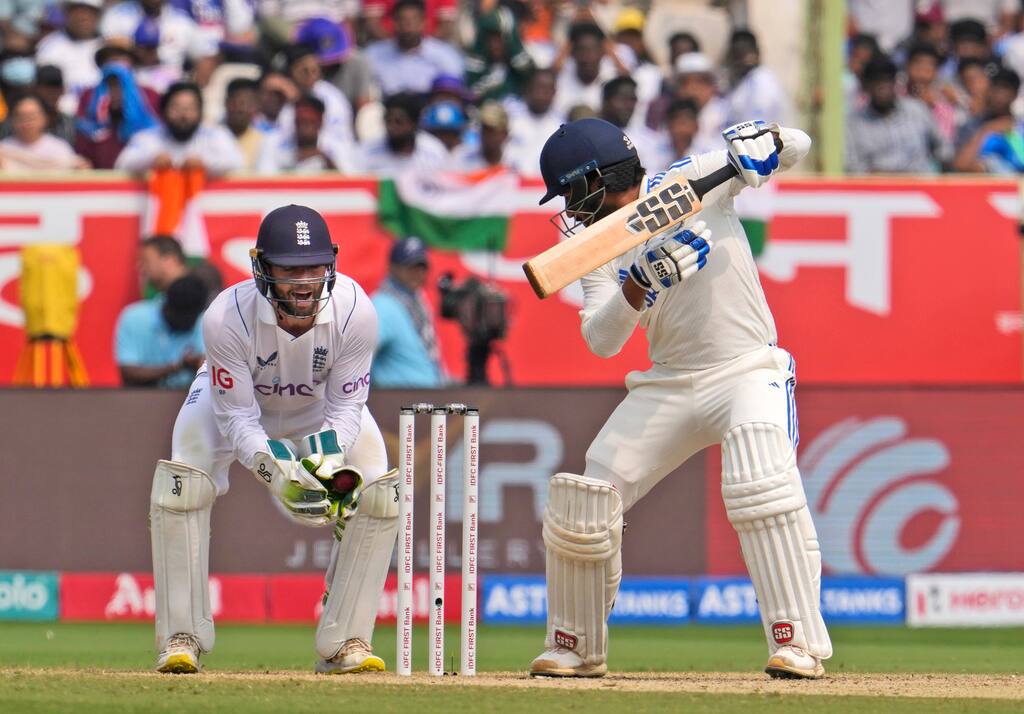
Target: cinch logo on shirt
x,y
356,384
284,390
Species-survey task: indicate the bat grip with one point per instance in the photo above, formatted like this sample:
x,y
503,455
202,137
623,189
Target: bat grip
x,y
704,184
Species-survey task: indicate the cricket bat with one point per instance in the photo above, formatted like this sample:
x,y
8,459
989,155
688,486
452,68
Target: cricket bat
x,y
618,233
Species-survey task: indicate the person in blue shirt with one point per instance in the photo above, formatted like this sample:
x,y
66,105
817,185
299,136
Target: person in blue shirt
x,y
159,343
407,352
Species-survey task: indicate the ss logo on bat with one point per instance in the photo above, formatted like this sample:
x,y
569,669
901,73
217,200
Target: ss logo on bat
x,y
660,210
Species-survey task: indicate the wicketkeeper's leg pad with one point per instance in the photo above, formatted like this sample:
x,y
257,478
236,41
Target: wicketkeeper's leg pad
x,y
583,536
765,502
179,525
355,580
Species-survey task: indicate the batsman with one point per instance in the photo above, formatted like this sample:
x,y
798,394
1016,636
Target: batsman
x,y
283,391
717,377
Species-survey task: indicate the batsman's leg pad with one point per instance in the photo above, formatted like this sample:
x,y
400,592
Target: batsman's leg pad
x,y
583,536
765,502
179,525
356,578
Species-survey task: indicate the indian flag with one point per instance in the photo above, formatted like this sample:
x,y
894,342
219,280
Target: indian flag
x,y
450,211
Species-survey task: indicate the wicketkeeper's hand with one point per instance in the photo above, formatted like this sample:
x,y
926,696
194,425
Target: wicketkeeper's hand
x,y
753,151
344,482
669,260
302,494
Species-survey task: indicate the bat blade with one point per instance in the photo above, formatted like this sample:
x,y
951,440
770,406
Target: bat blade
x,y
618,233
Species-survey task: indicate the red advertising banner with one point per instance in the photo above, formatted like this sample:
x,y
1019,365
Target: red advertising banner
x,y
870,281
130,596
902,481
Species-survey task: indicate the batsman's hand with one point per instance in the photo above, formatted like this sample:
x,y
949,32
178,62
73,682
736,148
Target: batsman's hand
x,y
753,151
669,260
302,494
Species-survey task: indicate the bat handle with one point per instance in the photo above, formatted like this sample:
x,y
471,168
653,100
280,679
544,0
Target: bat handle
x,y
704,184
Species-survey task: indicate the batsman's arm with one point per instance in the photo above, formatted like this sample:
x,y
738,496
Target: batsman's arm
x,y
608,318
348,383
231,388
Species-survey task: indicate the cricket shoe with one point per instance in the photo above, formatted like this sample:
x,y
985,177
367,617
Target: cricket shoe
x,y
180,655
793,663
354,656
562,662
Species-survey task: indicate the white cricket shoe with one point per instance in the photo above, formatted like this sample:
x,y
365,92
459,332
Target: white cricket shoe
x,y
790,662
354,656
180,655
562,662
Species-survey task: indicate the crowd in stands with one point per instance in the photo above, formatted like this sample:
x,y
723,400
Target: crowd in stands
x,y
357,87
935,86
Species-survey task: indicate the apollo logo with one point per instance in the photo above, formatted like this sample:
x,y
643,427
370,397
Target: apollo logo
x,y
866,482
19,593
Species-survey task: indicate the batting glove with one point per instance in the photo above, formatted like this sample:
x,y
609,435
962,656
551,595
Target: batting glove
x,y
668,260
301,493
752,151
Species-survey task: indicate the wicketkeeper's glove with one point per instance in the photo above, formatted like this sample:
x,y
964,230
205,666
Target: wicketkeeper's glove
x,y
302,494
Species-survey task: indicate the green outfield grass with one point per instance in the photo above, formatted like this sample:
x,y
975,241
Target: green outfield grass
x,y
46,667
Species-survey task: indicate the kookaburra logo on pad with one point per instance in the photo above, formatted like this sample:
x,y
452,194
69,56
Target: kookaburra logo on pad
x,y
301,233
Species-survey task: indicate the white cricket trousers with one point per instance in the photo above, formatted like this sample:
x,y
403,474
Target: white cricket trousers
x,y
670,415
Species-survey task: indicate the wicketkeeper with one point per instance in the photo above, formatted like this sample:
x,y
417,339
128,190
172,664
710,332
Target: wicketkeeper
x,y
718,377
283,392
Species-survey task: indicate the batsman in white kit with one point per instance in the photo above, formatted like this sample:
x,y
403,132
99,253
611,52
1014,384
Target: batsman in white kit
x,y
717,377
283,391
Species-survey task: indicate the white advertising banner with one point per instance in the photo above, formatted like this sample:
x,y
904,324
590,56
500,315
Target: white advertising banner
x,y
965,599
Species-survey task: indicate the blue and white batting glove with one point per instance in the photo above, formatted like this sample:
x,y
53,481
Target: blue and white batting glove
x,y
752,151
670,259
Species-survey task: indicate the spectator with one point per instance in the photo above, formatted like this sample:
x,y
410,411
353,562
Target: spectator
x,y
161,262
159,343
970,93
241,106
681,43
922,82
682,131
995,16
228,24
279,19
532,121
587,67
20,21
439,18
755,91
994,142
862,49
885,20
30,147
968,40
410,61
629,34
111,113
446,122
490,153
182,142
892,134
50,88
276,91
306,148
695,80
180,38
407,350
150,70
447,88
403,147
618,105
73,48
497,66
304,72
342,64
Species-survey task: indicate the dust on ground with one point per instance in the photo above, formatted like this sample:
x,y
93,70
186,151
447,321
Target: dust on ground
x,y
937,685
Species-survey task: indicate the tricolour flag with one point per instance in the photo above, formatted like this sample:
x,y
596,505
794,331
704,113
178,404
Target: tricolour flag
x,y
450,211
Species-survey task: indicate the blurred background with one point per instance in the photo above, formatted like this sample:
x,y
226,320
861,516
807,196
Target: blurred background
x,y
141,142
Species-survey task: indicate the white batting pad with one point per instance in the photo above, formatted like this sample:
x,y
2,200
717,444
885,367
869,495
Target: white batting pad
x,y
179,525
356,577
583,535
765,502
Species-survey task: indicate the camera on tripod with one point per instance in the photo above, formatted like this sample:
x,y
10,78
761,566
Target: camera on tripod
x,y
482,312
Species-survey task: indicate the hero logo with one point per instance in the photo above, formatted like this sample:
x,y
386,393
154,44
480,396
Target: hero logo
x,y
356,384
221,378
875,511
284,390
782,632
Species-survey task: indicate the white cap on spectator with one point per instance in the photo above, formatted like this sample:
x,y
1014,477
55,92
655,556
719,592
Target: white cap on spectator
x,y
694,63
98,4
